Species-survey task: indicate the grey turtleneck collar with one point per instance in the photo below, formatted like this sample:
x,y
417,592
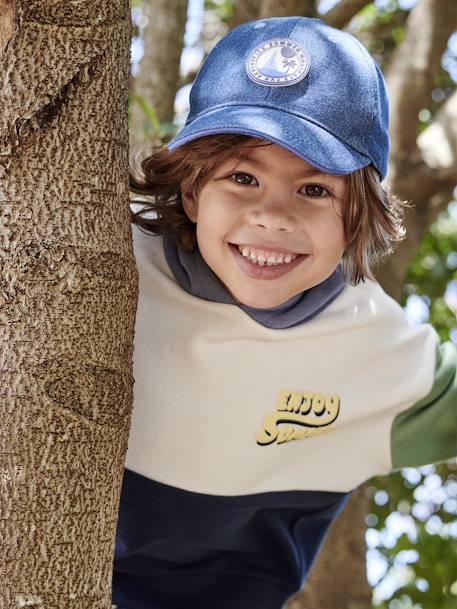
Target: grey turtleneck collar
x,y
195,276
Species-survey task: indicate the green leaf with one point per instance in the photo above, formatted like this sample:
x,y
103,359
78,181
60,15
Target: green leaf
x,y
148,111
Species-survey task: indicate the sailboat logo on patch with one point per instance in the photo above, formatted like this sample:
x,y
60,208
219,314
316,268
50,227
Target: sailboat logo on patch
x,y
279,62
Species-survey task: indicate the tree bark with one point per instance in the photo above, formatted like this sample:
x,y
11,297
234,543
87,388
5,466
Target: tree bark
x,y
263,9
272,8
338,580
157,80
68,292
8,22
339,16
244,10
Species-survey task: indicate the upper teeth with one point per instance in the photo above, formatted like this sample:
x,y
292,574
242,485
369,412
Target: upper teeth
x,y
262,257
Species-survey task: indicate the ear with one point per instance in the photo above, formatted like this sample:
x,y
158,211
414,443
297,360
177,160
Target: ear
x,y
190,204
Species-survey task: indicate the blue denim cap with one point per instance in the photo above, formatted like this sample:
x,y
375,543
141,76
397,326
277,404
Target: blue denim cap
x,y
299,83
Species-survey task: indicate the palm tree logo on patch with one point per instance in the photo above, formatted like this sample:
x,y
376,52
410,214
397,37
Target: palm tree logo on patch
x,y
278,62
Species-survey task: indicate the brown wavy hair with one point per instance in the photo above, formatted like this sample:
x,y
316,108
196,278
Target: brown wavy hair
x,y
373,218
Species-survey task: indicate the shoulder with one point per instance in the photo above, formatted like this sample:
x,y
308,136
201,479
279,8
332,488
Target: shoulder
x,y
366,305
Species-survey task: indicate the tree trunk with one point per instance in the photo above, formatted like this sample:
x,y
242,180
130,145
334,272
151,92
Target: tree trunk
x,y
272,8
263,9
411,77
338,579
159,69
68,293
244,10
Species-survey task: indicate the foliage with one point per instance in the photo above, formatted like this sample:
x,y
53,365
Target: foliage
x,y
381,29
153,129
433,272
223,8
414,533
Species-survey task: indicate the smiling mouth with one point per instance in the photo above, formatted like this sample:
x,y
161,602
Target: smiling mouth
x,y
259,266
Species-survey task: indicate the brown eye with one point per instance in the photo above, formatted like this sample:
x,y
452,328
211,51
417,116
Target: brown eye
x,y
315,190
243,178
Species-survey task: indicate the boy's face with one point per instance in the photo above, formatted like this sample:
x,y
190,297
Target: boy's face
x,y
269,224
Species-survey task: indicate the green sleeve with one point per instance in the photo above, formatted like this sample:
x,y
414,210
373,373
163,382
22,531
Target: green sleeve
x,y
427,431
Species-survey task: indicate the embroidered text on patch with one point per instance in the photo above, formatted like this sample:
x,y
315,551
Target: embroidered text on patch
x,y
299,414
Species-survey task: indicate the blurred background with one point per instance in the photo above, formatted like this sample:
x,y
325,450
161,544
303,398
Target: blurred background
x,y
395,547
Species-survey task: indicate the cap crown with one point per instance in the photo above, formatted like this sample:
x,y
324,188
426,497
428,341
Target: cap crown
x,y
343,90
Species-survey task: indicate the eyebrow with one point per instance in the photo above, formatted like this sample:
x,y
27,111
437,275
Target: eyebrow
x,y
305,172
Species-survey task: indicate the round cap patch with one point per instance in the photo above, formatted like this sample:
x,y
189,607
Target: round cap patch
x,y
279,62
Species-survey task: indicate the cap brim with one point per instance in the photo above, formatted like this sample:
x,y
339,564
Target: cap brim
x,y
302,137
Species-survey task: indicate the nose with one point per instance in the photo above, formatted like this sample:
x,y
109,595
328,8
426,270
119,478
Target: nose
x,y
272,217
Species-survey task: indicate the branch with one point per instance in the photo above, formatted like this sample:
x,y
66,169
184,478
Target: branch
x,y
412,72
250,10
286,8
342,13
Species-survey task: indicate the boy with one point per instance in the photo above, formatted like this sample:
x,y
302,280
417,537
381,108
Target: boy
x,y
273,374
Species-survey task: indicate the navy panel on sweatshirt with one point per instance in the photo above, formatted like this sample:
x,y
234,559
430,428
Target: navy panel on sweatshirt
x,y
178,549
